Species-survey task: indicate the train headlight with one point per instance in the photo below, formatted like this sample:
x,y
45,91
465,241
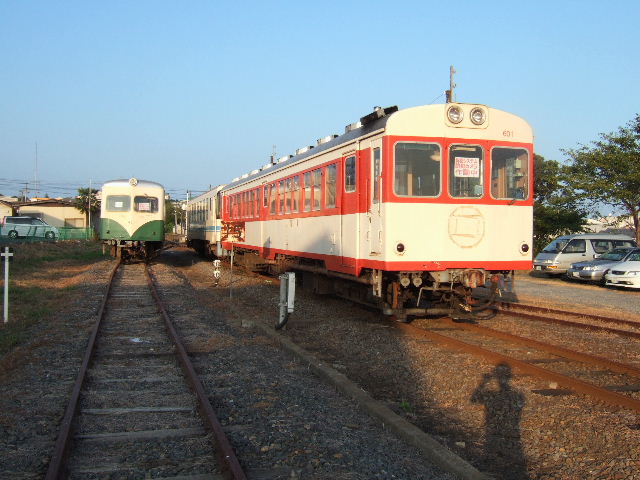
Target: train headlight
x,y
524,248
455,114
133,181
478,116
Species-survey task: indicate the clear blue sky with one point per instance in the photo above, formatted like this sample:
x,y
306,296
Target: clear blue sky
x,y
193,93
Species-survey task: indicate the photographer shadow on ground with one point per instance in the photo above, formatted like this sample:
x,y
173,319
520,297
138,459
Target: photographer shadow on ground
x,y
503,453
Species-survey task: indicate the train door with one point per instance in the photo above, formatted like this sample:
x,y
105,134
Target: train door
x,y
262,214
349,218
374,212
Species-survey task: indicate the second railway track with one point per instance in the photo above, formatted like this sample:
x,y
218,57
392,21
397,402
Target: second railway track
x,y
134,410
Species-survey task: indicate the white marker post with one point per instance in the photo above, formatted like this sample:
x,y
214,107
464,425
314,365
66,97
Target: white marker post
x,y
5,256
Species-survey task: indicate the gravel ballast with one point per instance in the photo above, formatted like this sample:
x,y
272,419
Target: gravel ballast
x,y
531,429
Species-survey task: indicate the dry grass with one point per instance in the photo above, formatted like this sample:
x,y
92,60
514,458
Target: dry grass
x,y
44,280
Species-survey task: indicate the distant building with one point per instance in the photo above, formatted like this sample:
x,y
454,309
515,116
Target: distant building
x,y
58,213
6,208
611,224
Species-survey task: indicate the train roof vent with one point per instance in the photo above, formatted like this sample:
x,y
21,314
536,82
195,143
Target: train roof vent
x,y
352,126
268,165
378,112
303,149
284,159
253,172
235,179
245,175
326,139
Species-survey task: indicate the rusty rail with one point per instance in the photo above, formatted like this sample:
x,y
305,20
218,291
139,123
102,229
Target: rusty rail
x,y
229,463
521,310
57,463
576,385
553,349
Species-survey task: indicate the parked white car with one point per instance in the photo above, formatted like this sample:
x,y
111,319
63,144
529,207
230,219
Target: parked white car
x,y
14,227
625,274
596,269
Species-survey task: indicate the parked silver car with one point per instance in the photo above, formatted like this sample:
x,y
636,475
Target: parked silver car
x,y
595,270
557,257
14,227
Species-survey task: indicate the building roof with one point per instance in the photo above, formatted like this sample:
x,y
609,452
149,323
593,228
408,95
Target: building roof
x,y
49,202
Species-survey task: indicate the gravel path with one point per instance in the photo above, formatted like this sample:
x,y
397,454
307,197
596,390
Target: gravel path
x,y
36,379
282,420
289,424
526,429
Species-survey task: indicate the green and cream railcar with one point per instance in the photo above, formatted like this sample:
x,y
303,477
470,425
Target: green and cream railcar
x,y
132,218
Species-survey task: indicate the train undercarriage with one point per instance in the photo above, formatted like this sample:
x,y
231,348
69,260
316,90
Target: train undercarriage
x,y
132,250
459,293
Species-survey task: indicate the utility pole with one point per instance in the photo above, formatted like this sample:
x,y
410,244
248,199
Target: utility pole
x,y
89,204
36,173
452,85
25,191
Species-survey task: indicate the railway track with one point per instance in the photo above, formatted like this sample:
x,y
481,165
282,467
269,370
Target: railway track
x,y
138,409
571,366
573,319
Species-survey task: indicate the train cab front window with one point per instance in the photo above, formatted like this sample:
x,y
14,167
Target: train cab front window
x,y
118,203
509,173
417,169
465,171
145,204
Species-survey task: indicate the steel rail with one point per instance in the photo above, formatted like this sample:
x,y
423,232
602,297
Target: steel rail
x,y
576,385
590,316
553,349
229,463
558,321
57,462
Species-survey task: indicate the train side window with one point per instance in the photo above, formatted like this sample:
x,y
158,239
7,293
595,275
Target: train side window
x,y
376,175
265,196
465,171
317,182
417,169
295,197
287,193
255,200
350,174
118,203
509,173
281,198
307,191
272,199
330,187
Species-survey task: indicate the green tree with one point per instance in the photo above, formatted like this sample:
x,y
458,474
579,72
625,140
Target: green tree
x,y
607,172
173,212
87,197
555,210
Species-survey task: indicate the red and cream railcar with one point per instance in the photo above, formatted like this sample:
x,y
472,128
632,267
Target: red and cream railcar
x,y
409,209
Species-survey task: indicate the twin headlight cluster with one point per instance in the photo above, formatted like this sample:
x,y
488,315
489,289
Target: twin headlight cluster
x,y
477,115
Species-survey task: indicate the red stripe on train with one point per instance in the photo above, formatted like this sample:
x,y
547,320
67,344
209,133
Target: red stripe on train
x,y
353,266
